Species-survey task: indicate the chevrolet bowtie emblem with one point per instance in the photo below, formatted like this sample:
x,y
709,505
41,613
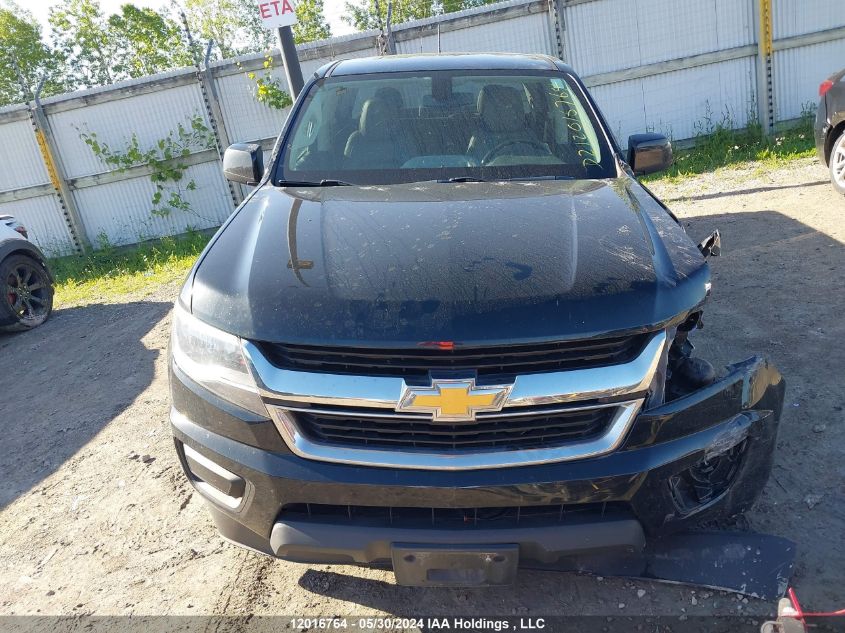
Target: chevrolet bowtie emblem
x,y
453,400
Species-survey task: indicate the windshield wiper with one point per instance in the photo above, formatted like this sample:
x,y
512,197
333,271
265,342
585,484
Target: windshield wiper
x,y
515,179
463,179
309,183
529,178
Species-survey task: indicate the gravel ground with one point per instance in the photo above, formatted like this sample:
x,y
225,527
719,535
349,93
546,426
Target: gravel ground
x,y
97,518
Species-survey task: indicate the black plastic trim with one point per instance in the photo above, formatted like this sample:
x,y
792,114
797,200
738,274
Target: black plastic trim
x,y
302,541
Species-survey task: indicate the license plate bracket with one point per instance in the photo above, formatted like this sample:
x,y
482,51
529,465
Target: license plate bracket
x,y
425,565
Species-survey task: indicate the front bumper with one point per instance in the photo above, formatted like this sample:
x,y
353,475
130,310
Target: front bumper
x,y
607,504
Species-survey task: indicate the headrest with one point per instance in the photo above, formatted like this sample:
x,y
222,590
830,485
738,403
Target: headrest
x,y
391,96
500,108
376,116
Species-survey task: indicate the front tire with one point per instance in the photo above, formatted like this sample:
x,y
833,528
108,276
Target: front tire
x,y
27,293
837,164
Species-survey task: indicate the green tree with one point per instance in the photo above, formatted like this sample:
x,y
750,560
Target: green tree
x,y
100,49
234,25
311,23
147,42
450,6
363,15
21,44
82,36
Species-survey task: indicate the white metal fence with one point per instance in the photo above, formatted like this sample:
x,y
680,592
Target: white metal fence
x,y
664,65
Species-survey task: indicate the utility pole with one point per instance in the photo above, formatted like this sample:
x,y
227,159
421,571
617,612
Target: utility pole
x,y
290,59
280,15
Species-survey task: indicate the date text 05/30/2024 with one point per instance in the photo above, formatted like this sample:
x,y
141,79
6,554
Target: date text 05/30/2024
x,y
427,623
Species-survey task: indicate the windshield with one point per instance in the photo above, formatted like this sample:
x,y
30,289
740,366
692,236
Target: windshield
x,y
445,125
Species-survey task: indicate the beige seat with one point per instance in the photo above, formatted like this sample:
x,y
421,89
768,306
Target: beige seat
x,y
501,120
378,142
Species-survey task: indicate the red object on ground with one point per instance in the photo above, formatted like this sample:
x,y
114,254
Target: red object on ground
x,y
801,614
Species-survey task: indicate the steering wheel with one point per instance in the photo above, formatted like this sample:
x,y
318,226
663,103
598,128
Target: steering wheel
x,y
498,149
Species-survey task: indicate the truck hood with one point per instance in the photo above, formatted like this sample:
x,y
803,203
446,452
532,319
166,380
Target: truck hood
x,y
473,263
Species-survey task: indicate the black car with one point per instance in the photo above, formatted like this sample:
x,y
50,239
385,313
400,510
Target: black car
x,y
448,332
830,128
25,280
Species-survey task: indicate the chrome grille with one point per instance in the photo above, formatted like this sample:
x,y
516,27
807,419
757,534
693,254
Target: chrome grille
x,y
551,416
605,423
530,429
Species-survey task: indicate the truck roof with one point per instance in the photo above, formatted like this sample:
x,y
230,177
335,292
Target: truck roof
x,y
450,61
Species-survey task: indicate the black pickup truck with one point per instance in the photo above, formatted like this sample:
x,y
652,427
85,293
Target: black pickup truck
x,y
447,331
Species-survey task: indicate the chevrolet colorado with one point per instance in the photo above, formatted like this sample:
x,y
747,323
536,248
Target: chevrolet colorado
x,y
447,331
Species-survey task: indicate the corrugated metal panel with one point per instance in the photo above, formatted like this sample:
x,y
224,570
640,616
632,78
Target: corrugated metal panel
x,y
523,34
177,75
669,29
608,35
121,210
20,164
44,218
797,17
735,23
798,73
247,119
623,108
680,104
150,116
687,102
601,36
310,63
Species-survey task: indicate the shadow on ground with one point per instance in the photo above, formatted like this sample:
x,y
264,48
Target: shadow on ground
x,y
742,192
779,289
65,381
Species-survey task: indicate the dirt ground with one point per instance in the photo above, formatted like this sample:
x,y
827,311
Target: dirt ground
x,y
97,518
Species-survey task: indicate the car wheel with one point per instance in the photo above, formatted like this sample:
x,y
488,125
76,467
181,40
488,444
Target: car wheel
x,y
837,164
27,293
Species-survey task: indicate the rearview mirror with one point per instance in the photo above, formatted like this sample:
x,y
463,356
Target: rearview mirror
x,y
649,153
244,163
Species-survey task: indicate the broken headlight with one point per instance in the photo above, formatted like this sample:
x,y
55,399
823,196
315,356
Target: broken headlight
x,y
707,480
214,359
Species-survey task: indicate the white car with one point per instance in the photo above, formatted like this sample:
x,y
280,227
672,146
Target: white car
x,y
26,284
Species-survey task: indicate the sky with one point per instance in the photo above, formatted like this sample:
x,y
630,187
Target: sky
x,y
41,10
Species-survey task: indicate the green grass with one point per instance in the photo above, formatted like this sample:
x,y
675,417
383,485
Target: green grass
x,y
112,273
722,147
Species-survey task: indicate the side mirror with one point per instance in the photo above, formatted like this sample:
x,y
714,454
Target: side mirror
x,y
648,153
711,246
244,163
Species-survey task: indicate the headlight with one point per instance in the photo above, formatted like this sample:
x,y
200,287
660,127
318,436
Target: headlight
x,y
214,359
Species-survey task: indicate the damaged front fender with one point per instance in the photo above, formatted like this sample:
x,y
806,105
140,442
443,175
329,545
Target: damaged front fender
x,y
725,475
751,385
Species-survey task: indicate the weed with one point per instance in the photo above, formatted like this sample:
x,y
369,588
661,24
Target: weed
x,y
718,145
112,272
